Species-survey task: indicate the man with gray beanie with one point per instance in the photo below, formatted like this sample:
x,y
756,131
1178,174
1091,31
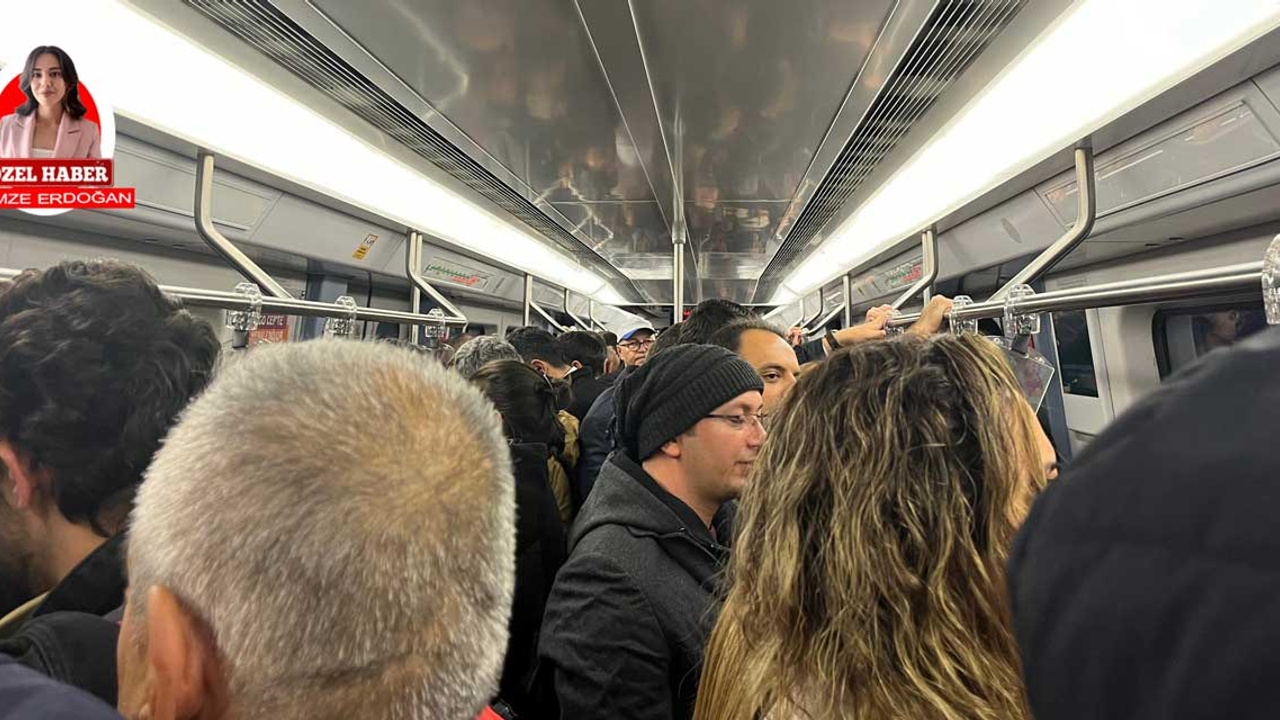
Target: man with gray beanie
x,y
632,608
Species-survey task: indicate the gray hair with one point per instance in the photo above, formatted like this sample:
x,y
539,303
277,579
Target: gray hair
x,y
342,516
480,351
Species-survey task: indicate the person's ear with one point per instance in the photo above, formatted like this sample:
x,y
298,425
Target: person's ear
x,y
539,366
21,480
576,365
184,665
671,448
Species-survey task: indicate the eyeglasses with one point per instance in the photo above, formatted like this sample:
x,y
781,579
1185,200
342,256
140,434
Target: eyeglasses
x,y
632,344
739,422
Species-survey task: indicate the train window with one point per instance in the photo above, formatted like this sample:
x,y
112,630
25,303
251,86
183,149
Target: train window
x,y
1182,336
1075,353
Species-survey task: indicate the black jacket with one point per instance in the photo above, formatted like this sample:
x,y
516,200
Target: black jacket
x,y
95,586
540,551
585,391
595,436
632,608
77,649
26,695
65,637
1146,581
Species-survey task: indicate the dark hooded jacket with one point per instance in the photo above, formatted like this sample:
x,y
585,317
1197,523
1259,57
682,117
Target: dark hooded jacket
x,y
595,436
1146,581
632,608
540,551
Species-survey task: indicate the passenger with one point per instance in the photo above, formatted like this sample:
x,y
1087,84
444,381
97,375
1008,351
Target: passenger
x,y
706,318
478,352
767,350
315,567
1144,583
528,403
613,362
539,348
633,345
866,579
95,364
586,352
631,608
28,695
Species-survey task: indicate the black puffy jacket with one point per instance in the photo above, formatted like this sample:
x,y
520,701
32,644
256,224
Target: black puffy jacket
x,y
1146,581
633,606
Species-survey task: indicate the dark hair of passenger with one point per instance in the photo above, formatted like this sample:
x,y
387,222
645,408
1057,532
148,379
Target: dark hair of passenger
x,y
95,365
527,400
730,336
585,348
71,103
610,339
534,343
710,316
668,338
867,578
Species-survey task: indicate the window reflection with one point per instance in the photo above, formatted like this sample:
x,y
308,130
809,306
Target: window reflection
x,y
1075,354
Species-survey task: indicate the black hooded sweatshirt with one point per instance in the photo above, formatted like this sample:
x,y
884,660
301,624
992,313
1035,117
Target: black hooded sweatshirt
x,y
1146,581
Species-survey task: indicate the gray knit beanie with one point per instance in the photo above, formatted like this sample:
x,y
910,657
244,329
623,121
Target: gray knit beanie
x,y
673,391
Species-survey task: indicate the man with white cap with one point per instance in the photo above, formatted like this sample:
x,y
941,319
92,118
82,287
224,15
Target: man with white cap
x,y
634,344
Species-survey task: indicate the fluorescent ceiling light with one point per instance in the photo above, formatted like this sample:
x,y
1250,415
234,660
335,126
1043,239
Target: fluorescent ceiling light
x,y
1103,59
161,79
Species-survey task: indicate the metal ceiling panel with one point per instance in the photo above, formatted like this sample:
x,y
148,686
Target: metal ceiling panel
x,y
956,32
286,39
610,127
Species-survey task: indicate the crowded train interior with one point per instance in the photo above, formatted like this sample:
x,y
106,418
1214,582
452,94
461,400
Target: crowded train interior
x,y
640,359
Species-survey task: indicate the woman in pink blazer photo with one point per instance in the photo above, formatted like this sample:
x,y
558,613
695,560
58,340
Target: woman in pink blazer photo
x,y
52,122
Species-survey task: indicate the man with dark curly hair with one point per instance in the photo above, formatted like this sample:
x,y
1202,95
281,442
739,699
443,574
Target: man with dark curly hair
x,y
95,365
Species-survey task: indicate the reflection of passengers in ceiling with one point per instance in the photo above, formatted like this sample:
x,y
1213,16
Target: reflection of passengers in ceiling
x,y
51,123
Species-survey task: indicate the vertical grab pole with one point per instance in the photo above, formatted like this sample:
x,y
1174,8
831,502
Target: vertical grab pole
x,y
412,263
677,281
528,299
848,301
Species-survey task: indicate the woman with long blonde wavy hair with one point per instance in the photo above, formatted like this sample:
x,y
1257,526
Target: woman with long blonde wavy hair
x,y
867,578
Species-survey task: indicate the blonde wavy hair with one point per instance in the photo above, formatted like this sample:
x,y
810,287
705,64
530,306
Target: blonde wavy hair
x,y
867,578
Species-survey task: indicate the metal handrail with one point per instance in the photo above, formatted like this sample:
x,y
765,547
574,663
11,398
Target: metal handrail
x,y
577,320
412,263
1086,214
928,269
222,300
242,263
533,304
1160,288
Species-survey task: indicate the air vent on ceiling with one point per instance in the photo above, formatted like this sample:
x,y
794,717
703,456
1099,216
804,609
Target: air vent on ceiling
x,y
954,35
261,25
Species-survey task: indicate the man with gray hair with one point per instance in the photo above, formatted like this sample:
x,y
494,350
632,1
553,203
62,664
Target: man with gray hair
x,y
292,556
477,352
